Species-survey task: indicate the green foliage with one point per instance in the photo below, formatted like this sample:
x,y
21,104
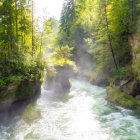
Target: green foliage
x,y
66,22
20,43
15,79
20,69
120,73
61,56
92,28
2,82
98,28
62,52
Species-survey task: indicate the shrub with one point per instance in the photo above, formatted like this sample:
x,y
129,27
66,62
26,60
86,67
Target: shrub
x,y
118,74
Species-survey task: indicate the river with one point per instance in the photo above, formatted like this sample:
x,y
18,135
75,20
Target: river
x,y
81,114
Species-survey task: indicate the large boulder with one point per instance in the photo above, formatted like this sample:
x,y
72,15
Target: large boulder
x,y
100,81
59,82
129,86
30,114
118,98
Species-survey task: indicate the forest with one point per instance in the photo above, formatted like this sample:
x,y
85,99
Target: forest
x,y
97,41
99,29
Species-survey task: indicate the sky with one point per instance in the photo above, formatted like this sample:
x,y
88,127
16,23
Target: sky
x,y
51,8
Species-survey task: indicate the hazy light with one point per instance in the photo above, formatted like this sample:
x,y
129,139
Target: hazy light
x,y
48,8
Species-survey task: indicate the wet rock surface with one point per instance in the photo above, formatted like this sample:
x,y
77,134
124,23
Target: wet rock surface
x,y
60,81
30,114
130,86
118,98
18,92
100,81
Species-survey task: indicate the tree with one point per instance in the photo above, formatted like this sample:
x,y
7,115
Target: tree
x,y
32,27
109,37
16,47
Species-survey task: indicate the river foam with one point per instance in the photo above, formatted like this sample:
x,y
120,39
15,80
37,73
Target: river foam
x,y
81,114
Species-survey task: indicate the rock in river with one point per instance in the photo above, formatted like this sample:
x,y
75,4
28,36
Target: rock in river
x,y
60,81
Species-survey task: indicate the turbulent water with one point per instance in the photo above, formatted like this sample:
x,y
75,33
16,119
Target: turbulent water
x,y
81,114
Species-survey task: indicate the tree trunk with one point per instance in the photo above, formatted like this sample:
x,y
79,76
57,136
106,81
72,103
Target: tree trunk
x,y
109,37
16,24
32,28
41,41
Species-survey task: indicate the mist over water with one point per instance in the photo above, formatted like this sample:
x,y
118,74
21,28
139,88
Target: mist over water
x,y
81,114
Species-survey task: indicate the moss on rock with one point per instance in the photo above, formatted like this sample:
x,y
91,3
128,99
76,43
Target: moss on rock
x,y
28,89
31,114
21,91
118,98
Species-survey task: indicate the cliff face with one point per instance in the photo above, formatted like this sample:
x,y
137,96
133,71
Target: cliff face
x,y
17,92
120,94
134,41
131,84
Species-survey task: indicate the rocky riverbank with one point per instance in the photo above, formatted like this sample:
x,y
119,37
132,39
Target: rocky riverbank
x,y
18,92
123,99
126,91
